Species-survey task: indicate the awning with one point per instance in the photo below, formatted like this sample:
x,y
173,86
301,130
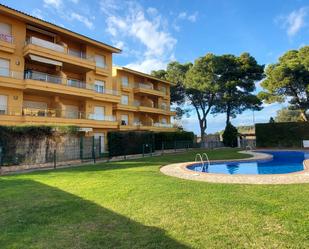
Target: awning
x,y
45,60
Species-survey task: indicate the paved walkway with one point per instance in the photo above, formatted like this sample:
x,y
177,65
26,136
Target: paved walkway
x,y
180,170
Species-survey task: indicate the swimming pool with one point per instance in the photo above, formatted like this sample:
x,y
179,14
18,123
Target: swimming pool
x,y
283,162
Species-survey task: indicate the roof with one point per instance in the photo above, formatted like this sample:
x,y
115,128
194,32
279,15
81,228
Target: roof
x,y
53,27
143,75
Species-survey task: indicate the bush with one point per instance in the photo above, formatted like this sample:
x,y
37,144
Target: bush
x,y
230,136
170,138
126,143
289,134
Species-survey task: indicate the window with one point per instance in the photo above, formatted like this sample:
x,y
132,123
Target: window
x,y
163,121
3,104
5,32
125,81
125,99
100,61
99,113
4,67
99,86
124,119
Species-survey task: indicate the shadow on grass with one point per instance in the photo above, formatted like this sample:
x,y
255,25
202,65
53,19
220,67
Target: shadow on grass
x,y
34,215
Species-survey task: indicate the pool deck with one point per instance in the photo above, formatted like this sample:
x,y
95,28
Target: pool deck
x,y
180,170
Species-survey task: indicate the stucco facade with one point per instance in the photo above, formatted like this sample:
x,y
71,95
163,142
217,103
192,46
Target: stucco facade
x,y
52,76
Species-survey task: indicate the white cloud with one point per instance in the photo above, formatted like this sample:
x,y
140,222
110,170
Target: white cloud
x,y
57,4
294,21
146,30
189,17
119,44
82,19
37,13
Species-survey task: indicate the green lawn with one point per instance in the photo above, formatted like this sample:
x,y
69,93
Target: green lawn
x,y
132,205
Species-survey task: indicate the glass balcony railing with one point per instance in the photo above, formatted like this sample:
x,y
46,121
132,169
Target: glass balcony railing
x,y
144,86
6,72
53,113
35,75
76,83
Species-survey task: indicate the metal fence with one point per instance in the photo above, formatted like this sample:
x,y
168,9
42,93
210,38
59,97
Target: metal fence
x,y
28,152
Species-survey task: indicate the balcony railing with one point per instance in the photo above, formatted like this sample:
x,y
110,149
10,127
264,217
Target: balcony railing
x,y
144,86
6,72
58,48
46,44
152,124
76,83
6,38
35,75
53,113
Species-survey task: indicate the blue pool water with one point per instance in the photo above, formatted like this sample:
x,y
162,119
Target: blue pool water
x,y
283,162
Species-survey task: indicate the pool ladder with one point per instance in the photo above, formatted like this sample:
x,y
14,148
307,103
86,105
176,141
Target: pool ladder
x,y
201,157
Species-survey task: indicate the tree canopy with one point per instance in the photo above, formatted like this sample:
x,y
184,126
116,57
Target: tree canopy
x,y
237,77
287,115
288,80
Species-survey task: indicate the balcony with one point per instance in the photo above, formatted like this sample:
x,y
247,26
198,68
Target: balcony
x,y
58,52
10,78
35,75
57,84
17,115
148,89
7,43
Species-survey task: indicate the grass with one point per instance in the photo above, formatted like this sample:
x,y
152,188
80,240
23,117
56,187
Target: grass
x,y
130,204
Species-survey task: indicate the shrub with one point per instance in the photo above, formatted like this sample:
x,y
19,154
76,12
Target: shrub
x,y
230,136
288,134
170,138
126,143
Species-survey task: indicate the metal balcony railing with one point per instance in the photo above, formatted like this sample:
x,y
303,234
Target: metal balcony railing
x,y
35,75
76,83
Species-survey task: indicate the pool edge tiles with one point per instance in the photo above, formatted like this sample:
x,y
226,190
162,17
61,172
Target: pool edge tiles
x,y
180,170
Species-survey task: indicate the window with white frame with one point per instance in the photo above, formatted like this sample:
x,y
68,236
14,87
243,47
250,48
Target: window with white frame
x,y
100,61
125,99
4,67
3,104
99,86
124,119
125,81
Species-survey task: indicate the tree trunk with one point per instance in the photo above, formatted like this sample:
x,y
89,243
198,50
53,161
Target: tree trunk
x,y
203,129
228,114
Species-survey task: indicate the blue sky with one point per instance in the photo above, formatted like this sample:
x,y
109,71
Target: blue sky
x,y
152,33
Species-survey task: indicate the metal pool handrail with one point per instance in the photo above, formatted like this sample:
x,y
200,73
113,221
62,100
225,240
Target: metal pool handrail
x,y
207,159
198,155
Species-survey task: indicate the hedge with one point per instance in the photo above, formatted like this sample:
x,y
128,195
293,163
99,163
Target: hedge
x,y
127,143
170,138
281,134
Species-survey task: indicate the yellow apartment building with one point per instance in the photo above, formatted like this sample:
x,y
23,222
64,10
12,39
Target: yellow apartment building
x,y
52,76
